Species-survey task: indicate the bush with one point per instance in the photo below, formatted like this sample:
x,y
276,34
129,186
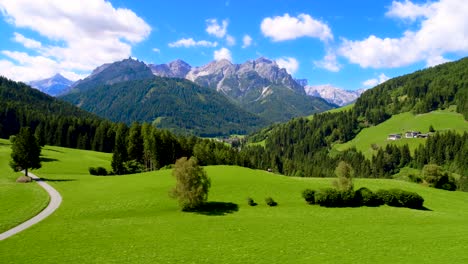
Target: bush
x,y
365,197
309,196
269,201
328,197
98,171
414,178
446,182
251,202
463,184
401,198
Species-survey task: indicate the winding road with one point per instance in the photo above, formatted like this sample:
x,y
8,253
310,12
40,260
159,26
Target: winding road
x,y
54,203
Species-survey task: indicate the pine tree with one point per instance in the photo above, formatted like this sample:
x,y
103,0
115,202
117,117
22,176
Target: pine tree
x,y
25,151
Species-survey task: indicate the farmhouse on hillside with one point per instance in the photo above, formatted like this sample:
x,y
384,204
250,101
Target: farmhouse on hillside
x,y
412,134
394,137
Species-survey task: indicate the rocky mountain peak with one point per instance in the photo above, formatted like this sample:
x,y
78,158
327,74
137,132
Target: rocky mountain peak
x,y
333,94
54,85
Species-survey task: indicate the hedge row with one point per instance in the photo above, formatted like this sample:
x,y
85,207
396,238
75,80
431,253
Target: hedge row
x,y
331,197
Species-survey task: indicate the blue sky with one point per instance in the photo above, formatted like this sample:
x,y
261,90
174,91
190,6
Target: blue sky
x,y
348,44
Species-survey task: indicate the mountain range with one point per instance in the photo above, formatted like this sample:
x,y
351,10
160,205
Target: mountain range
x,y
259,87
333,94
54,85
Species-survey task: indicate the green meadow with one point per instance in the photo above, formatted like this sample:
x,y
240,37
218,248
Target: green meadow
x,y
18,201
441,120
131,219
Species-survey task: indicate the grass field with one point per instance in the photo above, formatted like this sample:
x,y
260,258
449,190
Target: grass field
x,y
131,219
440,120
18,201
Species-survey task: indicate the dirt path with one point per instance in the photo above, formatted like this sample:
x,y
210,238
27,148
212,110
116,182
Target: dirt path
x,y
54,203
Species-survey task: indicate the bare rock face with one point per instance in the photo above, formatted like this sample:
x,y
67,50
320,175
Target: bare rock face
x,y
333,94
174,69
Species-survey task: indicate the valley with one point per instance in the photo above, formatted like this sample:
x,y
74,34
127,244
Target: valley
x,y
131,218
234,132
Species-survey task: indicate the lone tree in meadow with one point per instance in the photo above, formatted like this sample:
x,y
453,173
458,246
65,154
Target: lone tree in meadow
x,y
25,151
345,174
192,185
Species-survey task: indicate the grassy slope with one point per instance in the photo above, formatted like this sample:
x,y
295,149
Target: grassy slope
x,y
18,201
440,120
131,219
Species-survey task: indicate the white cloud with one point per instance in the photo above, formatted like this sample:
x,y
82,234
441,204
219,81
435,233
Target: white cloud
x,y
189,42
246,41
408,10
84,34
222,53
23,67
290,64
156,50
27,42
329,62
375,81
215,29
436,60
230,40
442,28
285,27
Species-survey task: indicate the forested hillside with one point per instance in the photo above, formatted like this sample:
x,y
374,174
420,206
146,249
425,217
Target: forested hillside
x,y
302,146
175,104
22,105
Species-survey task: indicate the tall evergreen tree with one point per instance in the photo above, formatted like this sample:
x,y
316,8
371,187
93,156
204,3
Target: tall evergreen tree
x,y
120,156
25,151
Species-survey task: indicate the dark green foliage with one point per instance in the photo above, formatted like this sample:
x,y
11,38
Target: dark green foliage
x,y
25,151
120,155
331,197
463,184
98,171
270,202
401,198
438,178
192,185
309,196
448,149
366,197
133,166
415,178
282,104
446,182
251,202
175,104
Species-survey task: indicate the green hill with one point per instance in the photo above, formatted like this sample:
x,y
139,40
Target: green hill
x,y
175,104
400,123
132,219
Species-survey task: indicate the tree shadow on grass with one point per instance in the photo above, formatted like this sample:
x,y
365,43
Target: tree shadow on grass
x,y
44,159
55,180
54,150
216,208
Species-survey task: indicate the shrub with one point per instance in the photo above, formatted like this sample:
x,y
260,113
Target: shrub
x,y
365,197
98,171
401,198
309,196
446,182
328,197
251,202
269,201
414,178
463,184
